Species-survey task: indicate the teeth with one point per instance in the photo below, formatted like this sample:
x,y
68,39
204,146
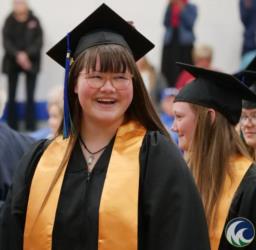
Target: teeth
x,y
106,100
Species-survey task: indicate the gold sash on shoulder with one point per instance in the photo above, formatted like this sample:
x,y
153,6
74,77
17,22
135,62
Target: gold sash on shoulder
x,y
118,218
240,166
118,214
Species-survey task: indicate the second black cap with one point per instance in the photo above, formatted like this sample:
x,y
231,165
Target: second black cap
x,y
248,75
216,90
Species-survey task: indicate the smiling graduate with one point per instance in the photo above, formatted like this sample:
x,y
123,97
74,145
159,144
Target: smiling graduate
x,y
112,179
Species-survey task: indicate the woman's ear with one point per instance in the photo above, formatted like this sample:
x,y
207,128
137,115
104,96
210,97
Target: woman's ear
x,y
212,114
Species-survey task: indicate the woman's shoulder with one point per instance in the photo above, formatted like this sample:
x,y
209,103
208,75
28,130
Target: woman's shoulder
x,y
9,20
159,140
249,180
190,8
161,152
246,193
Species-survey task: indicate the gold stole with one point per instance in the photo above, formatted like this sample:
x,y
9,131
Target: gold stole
x,y
118,214
239,166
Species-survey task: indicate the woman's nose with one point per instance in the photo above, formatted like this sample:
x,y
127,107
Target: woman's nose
x,y
108,86
174,127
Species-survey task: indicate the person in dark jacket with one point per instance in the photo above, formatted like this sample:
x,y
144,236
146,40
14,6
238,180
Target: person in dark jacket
x,y
248,17
179,20
22,41
247,10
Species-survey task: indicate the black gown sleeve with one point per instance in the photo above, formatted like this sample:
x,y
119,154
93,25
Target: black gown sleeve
x,y
243,205
13,212
172,215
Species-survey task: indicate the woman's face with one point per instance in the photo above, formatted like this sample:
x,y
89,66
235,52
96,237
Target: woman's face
x,y
106,104
184,124
248,126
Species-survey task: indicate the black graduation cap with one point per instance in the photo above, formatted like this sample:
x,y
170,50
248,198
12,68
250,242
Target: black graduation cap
x,y
103,26
250,104
217,90
248,75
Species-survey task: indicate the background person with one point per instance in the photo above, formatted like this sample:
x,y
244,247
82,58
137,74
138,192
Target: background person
x,y
247,10
55,108
179,37
22,41
167,114
247,124
154,81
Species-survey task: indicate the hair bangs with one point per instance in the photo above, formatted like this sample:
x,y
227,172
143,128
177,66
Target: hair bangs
x,y
112,58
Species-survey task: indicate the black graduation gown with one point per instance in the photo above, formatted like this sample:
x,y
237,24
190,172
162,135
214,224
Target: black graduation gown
x,y
243,205
170,213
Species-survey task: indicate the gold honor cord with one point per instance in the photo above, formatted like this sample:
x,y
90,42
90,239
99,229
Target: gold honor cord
x,y
41,212
118,217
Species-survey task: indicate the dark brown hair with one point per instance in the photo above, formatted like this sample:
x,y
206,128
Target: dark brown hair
x,y
115,58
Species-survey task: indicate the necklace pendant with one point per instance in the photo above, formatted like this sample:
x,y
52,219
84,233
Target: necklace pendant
x,y
90,159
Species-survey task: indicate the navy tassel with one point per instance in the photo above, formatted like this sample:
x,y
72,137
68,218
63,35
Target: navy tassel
x,y
67,118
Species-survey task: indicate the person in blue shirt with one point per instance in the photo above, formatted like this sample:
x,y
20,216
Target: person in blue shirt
x,y
167,115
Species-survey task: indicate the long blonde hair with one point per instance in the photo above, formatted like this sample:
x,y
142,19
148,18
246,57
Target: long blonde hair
x,y
213,143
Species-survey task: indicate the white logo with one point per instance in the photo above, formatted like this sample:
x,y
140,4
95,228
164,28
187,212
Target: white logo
x,y
240,232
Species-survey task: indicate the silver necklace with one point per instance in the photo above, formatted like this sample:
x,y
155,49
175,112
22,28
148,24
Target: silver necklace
x,y
92,154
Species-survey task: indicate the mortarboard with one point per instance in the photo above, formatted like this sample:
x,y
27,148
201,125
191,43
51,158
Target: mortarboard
x,y
247,104
103,26
248,76
217,90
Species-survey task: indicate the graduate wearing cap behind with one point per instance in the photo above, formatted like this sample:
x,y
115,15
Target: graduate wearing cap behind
x,y
115,181
206,112
248,116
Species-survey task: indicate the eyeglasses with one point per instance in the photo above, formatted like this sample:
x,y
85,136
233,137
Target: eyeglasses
x,y
97,80
251,118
